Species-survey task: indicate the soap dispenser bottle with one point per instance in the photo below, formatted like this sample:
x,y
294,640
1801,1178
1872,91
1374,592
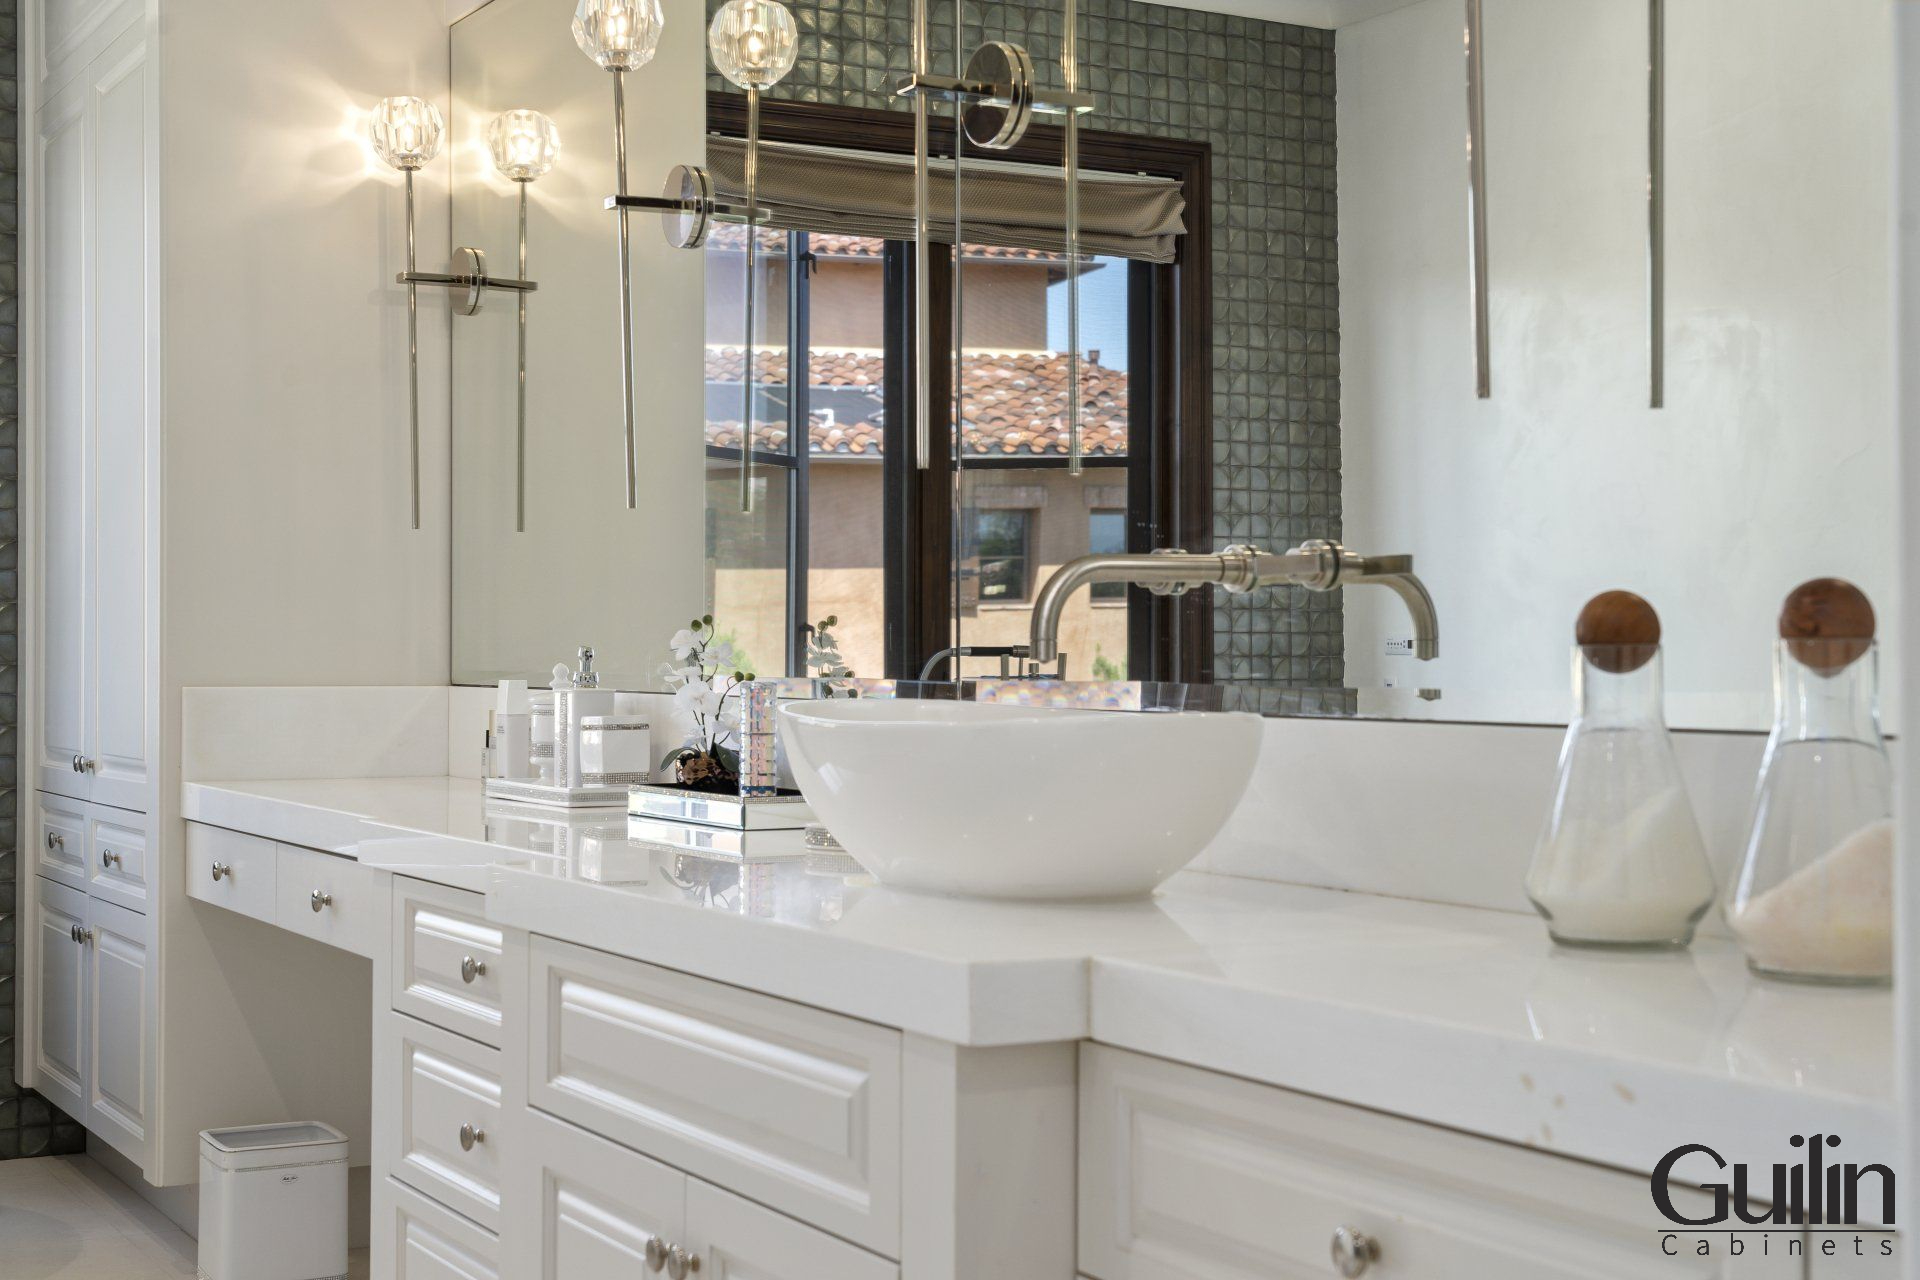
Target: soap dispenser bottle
x,y
1814,900
576,693
1621,862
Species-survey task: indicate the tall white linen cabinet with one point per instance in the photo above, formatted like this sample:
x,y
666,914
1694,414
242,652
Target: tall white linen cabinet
x,y
214,492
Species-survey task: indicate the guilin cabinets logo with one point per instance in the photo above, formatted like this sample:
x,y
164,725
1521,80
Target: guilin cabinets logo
x,y
1816,1206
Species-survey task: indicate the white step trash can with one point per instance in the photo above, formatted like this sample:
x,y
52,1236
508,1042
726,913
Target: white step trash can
x,y
273,1203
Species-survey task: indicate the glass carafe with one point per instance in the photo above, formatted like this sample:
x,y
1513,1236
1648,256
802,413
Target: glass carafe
x,y
1814,900
1621,862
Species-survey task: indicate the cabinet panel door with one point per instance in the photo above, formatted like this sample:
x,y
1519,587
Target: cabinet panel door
x,y
60,852
119,1029
584,1209
64,446
738,1240
60,1047
122,413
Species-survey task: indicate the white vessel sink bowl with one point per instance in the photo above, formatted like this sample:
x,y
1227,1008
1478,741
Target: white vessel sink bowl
x,y
1013,802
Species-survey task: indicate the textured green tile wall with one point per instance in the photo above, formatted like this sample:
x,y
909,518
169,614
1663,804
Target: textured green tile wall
x,y
1262,94
29,1124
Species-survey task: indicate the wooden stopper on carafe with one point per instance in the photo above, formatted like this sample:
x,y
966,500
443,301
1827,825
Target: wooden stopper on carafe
x,y
1828,624
1620,631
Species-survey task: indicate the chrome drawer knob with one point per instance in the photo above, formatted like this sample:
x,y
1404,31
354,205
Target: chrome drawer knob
x,y
471,1137
319,900
221,869
108,858
73,931
680,1263
55,840
471,969
1353,1252
82,765
656,1254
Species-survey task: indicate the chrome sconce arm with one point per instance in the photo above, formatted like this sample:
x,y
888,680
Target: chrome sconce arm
x,y
1477,203
406,133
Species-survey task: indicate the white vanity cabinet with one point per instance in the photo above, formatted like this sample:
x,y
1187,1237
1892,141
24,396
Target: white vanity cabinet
x,y
94,1030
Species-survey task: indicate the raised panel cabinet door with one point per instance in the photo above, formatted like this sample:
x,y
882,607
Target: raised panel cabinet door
x,y
119,1029
736,1239
586,1209
122,427
60,966
62,386
445,1138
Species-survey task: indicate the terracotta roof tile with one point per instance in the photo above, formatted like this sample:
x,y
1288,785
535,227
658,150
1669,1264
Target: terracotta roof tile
x,y
1015,403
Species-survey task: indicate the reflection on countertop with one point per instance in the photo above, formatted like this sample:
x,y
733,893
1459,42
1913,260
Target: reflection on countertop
x,y
1455,1015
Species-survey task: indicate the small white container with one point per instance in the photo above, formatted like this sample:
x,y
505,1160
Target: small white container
x,y
273,1203
540,720
513,732
616,750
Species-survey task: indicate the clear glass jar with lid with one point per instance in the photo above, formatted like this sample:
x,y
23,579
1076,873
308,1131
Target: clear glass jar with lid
x,y
1814,898
1621,862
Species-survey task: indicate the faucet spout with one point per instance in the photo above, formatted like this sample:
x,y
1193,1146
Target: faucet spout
x,y
1318,565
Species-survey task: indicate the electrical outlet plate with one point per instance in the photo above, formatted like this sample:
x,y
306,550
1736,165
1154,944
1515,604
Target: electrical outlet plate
x,y
1399,648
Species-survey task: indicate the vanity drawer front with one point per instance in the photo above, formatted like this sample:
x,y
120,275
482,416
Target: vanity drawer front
x,y
421,1239
793,1107
60,852
446,1137
333,900
231,870
117,861
1186,1173
448,961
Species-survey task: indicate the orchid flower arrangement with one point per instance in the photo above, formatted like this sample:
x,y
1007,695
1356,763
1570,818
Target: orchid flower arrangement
x,y
823,652
705,678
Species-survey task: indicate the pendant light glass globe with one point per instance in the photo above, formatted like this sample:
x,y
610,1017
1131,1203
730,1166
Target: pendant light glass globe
x,y
406,132
524,144
753,42
619,35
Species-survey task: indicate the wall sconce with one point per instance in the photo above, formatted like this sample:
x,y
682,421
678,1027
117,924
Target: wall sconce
x,y
406,133
525,145
995,100
754,44
621,36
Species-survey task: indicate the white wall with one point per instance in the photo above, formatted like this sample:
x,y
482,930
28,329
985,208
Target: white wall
x,y
1773,461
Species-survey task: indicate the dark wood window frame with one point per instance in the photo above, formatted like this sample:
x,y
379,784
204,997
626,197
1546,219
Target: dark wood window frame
x,y
1170,498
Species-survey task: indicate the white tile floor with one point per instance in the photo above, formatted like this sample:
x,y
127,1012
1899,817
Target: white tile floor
x,y
66,1216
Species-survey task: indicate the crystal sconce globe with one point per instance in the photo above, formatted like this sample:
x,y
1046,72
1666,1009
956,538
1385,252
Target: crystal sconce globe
x,y
619,35
524,144
406,132
753,42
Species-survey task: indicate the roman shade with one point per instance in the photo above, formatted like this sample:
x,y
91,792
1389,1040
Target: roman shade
x,y
1022,206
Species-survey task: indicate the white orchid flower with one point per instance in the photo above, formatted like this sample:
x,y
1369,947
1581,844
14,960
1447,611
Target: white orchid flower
x,y
683,644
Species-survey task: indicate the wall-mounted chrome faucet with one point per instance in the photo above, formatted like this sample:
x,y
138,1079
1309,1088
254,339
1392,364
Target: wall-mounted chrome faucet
x,y
1318,566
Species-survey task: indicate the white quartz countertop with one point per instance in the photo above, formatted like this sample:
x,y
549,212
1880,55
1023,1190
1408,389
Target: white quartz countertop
x,y
1453,1015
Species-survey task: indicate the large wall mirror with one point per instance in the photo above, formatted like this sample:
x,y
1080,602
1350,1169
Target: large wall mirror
x,y
1276,340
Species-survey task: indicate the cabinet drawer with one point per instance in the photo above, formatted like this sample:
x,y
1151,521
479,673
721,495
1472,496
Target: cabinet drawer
x,y
446,1136
420,1239
796,1108
332,900
117,864
1189,1174
231,870
60,851
447,960
590,1207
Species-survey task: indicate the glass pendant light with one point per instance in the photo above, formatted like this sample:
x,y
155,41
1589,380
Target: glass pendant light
x,y
754,44
619,35
524,144
406,132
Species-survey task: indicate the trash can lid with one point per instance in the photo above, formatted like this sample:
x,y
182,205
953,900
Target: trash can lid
x,y
247,1146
